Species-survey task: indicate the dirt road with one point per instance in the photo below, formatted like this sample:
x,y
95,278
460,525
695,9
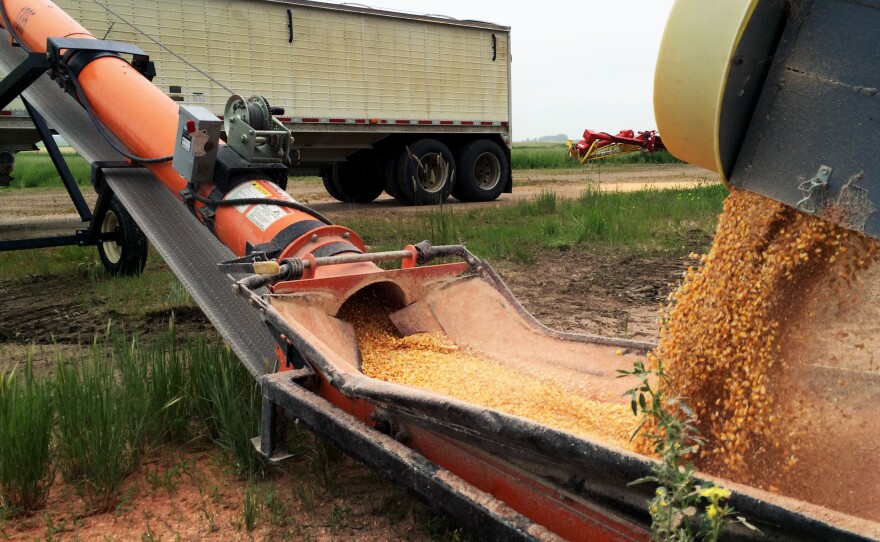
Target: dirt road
x,y
48,211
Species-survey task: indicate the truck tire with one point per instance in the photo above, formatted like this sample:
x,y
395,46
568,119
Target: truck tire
x,y
482,171
355,181
126,255
329,185
392,160
426,172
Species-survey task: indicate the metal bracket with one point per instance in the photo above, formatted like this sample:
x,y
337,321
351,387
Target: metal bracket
x,y
814,191
273,428
93,235
62,64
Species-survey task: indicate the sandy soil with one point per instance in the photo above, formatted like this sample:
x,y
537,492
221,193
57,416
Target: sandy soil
x,y
191,495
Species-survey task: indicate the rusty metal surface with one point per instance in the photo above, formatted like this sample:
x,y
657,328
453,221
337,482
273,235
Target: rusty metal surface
x,y
190,250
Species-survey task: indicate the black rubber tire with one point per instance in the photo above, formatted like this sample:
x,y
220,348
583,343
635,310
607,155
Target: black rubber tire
x,y
329,185
482,171
127,255
392,159
419,186
358,180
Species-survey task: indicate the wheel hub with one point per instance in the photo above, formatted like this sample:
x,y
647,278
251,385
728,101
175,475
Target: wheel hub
x,y
112,249
433,172
487,171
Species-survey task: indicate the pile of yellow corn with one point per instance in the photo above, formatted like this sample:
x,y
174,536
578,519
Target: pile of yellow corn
x,y
720,330
431,362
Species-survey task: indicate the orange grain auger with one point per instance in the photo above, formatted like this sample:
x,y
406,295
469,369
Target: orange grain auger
x,y
503,475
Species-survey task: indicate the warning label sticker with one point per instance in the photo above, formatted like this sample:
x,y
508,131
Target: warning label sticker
x,y
246,191
262,216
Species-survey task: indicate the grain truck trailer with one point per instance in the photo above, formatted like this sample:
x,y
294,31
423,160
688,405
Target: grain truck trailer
x,y
418,106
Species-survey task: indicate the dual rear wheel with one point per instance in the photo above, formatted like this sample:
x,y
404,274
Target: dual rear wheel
x,y
483,171
421,173
358,180
424,172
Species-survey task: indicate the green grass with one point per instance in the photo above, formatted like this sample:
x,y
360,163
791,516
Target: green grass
x,y
118,400
648,221
16,265
100,421
156,373
33,170
555,156
156,291
227,401
26,416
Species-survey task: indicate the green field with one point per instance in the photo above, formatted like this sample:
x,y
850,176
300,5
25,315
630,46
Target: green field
x,y
649,221
535,155
33,169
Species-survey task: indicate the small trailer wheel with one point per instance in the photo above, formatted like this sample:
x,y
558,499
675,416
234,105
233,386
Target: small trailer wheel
x,y
126,255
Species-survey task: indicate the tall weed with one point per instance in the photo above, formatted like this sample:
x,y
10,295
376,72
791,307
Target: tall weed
x,y
25,440
440,228
156,371
100,420
227,401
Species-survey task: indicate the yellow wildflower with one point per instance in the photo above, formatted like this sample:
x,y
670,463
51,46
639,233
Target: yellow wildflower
x,y
714,493
713,510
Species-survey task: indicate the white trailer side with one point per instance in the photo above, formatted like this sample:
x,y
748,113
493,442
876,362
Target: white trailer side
x,y
359,86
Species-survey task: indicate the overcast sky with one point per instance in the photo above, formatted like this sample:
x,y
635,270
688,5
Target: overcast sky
x,y
576,64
